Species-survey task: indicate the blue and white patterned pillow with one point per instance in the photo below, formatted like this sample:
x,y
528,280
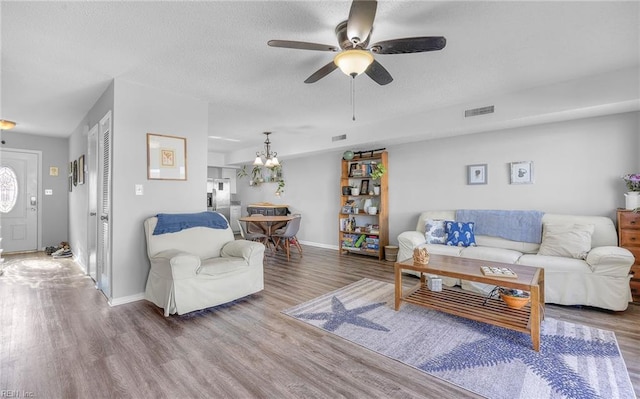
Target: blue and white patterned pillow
x,y
434,231
460,234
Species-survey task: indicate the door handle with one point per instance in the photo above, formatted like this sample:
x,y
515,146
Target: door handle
x,y
92,213
104,217
33,201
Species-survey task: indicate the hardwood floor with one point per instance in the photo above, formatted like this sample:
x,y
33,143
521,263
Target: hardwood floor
x,y
60,339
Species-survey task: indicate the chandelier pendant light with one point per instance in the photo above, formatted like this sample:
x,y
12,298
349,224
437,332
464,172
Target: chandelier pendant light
x,y
270,157
6,125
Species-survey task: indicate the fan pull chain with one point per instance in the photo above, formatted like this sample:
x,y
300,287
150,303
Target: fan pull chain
x,y
353,97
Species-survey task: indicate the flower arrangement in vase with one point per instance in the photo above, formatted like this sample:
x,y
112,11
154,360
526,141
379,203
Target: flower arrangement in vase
x,y
632,181
632,197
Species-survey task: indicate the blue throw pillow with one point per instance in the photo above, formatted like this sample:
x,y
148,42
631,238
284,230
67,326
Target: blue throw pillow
x,y
434,231
460,234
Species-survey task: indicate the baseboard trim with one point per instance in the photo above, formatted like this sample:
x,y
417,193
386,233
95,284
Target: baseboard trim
x,y
319,245
81,264
126,299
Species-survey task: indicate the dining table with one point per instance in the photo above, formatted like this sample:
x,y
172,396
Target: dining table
x,y
267,223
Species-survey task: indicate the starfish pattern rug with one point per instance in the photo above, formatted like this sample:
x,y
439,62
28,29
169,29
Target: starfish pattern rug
x,y
575,361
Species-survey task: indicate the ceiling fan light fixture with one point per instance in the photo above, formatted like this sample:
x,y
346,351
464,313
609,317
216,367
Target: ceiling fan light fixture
x,y
6,125
353,62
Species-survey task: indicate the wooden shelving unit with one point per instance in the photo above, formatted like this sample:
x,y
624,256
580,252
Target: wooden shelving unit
x,y
629,238
370,234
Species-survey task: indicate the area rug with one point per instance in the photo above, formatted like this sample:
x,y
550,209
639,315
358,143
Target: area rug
x,y
575,361
38,272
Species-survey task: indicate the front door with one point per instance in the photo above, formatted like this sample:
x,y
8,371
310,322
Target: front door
x,y
19,200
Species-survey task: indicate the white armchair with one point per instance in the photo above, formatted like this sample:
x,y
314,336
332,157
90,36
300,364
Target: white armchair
x,y
200,267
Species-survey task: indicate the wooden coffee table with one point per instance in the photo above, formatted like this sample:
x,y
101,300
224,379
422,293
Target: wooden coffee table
x,y
471,305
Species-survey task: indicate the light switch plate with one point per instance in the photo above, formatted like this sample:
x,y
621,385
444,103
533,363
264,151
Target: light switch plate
x,y
139,189
48,191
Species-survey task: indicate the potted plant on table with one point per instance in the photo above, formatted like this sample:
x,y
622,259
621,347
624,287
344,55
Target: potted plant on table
x,y
632,197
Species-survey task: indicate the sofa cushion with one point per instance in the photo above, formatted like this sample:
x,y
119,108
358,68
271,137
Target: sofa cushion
x,y
460,233
444,215
567,240
439,249
497,242
435,231
219,267
604,233
555,264
491,254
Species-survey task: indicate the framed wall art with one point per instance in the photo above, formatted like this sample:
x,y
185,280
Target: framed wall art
x,y
75,172
81,170
477,174
364,187
521,172
166,157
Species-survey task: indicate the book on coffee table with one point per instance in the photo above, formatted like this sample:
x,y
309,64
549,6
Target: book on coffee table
x,y
498,271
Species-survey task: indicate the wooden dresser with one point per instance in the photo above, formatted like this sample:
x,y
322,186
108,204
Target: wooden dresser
x,y
629,238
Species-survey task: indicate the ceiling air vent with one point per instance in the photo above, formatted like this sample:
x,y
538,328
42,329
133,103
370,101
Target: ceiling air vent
x,y
479,111
339,138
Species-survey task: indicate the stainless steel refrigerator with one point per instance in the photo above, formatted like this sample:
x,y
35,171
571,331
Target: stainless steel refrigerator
x,y
221,198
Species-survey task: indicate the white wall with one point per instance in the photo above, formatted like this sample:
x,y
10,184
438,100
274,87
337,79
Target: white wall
x,y
577,169
137,111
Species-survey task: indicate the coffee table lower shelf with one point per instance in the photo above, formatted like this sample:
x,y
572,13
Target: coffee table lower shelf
x,y
472,306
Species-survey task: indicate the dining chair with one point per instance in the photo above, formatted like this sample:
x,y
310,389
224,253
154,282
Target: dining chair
x,y
253,227
281,229
259,237
288,237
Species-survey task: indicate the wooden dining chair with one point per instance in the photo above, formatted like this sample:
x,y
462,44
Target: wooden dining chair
x,y
259,237
253,227
288,237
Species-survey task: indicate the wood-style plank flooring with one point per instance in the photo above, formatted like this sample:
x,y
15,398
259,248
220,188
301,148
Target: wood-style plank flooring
x,y
60,339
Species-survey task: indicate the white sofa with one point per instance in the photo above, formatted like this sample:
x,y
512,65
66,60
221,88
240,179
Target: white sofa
x,y
200,267
600,280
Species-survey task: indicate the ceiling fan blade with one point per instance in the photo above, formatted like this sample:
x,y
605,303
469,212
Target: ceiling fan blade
x,y
301,45
409,45
322,72
360,21
379,75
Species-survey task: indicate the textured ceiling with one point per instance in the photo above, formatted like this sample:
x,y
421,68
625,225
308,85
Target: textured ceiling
x,y
58,58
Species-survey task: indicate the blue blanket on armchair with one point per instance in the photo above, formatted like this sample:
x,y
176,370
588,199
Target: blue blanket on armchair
x,y
174,222
525,226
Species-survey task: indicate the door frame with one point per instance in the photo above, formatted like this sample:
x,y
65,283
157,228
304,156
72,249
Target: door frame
x,y
104,255
92,207
39,191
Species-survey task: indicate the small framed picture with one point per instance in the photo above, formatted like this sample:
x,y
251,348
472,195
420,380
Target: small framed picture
x,y
364,187
166,157
521,172
81,170
477,174
354,170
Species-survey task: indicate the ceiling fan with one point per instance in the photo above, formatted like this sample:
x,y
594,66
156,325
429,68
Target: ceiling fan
x,y
354,54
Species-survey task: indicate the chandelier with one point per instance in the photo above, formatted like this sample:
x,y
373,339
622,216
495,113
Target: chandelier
x,y
6,125
271,158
